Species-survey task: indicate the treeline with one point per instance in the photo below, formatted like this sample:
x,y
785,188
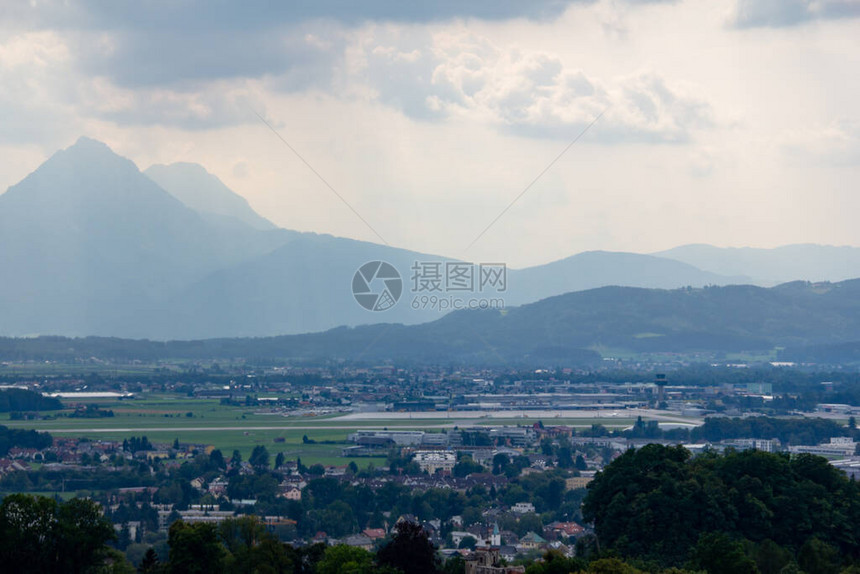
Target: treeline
x,y
39,534
10,438
17,400
791,431
795,431
747,511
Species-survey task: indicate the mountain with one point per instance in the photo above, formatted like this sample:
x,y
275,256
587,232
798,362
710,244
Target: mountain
x,y
86,238
203,192
567,330
803,262
305,286
593,269
89,245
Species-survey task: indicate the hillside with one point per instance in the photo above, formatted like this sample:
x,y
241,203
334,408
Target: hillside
x,y
89,245
558,330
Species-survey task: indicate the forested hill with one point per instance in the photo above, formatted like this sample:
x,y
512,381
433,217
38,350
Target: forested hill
x,y
562,329
745,511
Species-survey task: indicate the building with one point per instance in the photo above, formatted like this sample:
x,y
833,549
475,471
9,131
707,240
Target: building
x,y
841,446
399,437
487,561
531,541
434,460
523,507
292,493
577,482
754,444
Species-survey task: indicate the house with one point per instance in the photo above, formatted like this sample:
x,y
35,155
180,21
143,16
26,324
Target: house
x,y
488,561
7,466
568,529
531,541
433,460
359,541
577,482
292,493
523,507
374,533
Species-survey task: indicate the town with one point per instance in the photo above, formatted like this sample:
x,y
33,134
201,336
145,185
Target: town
x,y
493,465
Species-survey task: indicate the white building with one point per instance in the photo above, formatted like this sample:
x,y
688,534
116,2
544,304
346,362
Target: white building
x,y
838,446
433,460
523,507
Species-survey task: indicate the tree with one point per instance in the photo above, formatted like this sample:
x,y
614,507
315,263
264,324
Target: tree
x,y
195,549
38,534
410,550
554,562
343,559
770,558
251,548
466,466
500,463
656,502
216,459
150,563
818,557
279,460
467,542
716,553
259,457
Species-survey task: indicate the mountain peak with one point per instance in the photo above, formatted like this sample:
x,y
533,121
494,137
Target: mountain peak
x,y
85,141
203,192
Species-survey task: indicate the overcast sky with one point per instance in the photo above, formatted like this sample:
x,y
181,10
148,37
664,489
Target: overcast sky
x,y
730,122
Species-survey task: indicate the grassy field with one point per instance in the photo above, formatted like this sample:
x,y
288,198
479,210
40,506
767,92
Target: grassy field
x,y
166,417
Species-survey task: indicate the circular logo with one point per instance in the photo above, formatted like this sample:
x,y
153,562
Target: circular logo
x,y
377,286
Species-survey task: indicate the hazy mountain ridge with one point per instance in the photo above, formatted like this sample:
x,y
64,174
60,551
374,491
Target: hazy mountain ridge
x,y
562,330
800,262
203,192
92,246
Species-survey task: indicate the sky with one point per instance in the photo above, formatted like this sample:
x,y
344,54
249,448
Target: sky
x,y
492,130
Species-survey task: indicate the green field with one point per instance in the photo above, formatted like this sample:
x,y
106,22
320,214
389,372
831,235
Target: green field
x,y
166,417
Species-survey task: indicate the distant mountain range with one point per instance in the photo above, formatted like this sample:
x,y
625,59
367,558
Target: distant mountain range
x,y
769,267
576,329
90,245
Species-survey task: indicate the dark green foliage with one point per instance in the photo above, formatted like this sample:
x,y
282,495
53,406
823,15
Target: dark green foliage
x,y
793,431
342,559
195,549
259,457
716,553
135,444
656,502
150,563
24,400
23,439
556,563
250,548
409,551
818,557
38,534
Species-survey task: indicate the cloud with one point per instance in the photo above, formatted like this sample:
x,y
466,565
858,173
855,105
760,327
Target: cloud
x,y
835,144
459,75
781,13
196,66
